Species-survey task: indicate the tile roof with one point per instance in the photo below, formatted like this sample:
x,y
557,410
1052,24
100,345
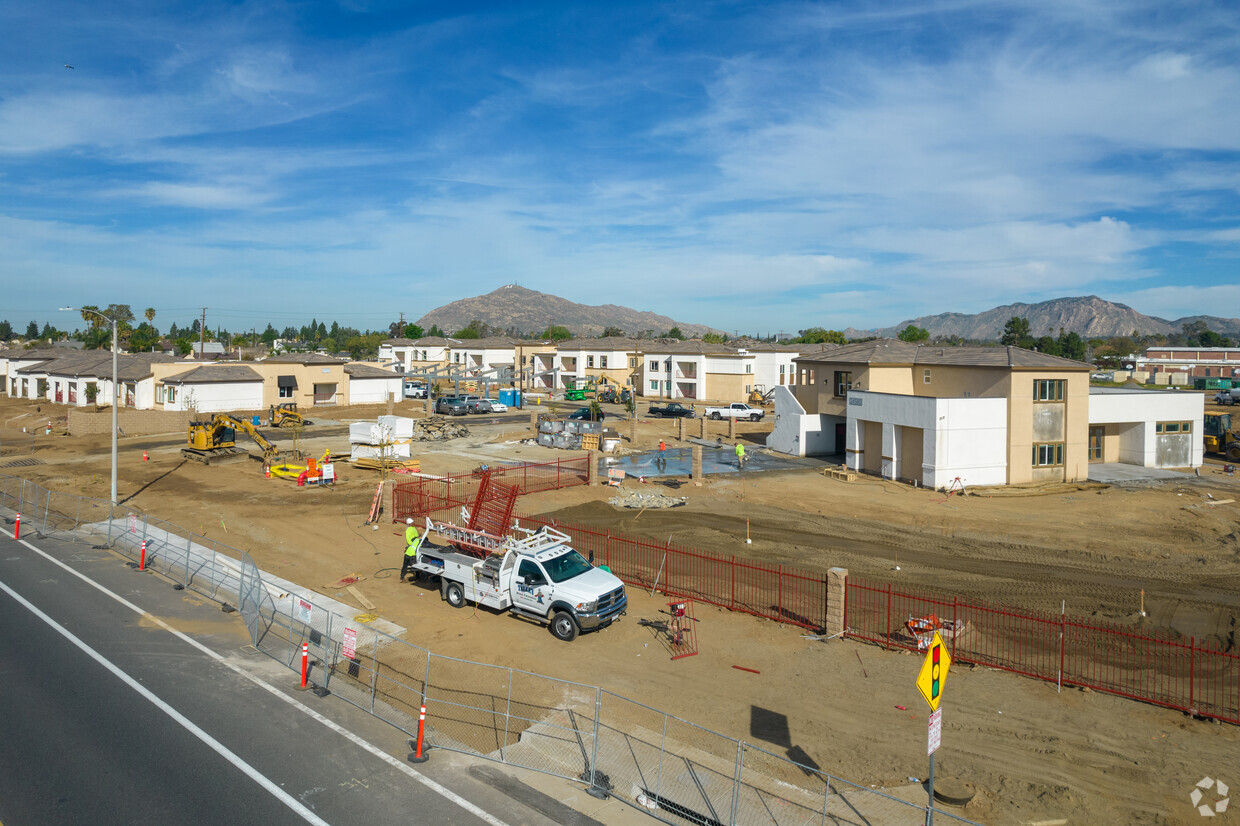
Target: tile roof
x,y
365,371
893,351
215,373
302,358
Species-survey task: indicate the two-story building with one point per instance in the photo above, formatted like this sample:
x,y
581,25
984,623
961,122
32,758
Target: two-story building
x,y
1190,362
983,415
412,355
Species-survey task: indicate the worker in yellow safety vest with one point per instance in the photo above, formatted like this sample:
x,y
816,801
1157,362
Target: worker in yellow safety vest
x,y
411,548
740,456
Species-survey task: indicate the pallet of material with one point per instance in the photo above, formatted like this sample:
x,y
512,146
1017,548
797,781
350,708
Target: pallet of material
x,y
377,464
589,441
843,474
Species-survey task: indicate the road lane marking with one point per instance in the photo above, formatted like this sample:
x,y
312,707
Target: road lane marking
x,y
215,745
430,784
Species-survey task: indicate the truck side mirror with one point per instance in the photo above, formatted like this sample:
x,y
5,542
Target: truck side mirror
x,y
591,557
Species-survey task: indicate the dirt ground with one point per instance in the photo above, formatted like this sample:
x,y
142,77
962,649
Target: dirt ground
x,y
1031,753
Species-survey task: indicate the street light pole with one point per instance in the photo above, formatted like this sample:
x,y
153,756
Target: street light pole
x,y
115,390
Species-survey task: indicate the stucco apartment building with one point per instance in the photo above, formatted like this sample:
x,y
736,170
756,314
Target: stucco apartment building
x,y
983,415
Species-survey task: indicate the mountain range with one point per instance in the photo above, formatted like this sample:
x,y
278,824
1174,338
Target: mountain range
x,y
521,310
513,307
1087,316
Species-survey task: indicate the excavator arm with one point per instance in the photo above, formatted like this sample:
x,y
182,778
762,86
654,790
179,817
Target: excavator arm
x,y
270,450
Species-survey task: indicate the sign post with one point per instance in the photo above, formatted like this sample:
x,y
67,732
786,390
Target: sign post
x,y
930,682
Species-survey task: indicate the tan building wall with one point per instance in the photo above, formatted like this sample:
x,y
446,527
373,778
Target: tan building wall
x,y
307,375
1030,422
724,387
85,421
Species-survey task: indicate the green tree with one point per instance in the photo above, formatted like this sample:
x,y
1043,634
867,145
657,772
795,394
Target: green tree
x,y
269,335
49,332
6,331
1046,344
150,315
817,335
143,337
914,334
413,331
472,330
612,332
32,331
674,333
1016,333
120,312
1072,346
557,333
714,338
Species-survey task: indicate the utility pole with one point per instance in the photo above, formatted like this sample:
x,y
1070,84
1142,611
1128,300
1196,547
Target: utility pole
x,y
202,335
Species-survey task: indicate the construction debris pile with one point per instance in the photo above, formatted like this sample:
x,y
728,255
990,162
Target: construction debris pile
x,y
635,499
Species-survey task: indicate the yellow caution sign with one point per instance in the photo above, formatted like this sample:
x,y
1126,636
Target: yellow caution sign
x,y
933,674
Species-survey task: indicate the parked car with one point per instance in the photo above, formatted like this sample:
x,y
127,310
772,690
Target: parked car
x,y
584,413
477,404
415,391
674,410
451,405
498,407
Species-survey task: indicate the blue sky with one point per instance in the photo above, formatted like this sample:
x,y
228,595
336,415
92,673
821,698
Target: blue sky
x,y
759,167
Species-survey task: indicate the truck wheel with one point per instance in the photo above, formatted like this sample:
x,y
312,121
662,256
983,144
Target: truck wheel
x,y
716,416
454,595
563,626
1233,452
656,415
755,417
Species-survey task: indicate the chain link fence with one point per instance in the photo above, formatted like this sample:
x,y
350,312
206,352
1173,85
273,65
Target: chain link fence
x,y
670,768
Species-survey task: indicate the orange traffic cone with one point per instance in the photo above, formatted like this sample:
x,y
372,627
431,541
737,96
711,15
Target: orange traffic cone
x,y
267,471
145,458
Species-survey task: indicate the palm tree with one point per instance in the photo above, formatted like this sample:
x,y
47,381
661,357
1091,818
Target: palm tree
x,y
150,314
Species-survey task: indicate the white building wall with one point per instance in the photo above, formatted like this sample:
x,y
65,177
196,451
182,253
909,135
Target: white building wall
x,y
373,391
961,438
1139,411
799,433
218,397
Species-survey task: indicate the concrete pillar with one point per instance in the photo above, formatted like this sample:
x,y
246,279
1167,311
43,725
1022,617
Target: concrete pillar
x,y
697,463
534,424
680,429
891,447
633,428
855,440
598,469
427,404
391,400
702,422
732,428
837,579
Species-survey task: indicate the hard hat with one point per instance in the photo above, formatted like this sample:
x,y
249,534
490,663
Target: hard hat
x,y
409,521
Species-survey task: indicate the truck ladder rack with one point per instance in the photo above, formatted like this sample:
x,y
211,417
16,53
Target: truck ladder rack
x,y
484,543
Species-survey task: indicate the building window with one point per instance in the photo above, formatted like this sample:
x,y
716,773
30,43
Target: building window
x,y
633,364
654,367
589,361
843,383
748,368
159,394
925,376
1173,427
172,395
654,385
1048,455
286,392
781,369
602,362
1048,390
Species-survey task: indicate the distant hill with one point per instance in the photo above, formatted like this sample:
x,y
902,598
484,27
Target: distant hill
x,y
1088,316
513,307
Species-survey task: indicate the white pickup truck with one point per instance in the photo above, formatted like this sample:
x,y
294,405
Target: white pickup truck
x,y
538,577
736,411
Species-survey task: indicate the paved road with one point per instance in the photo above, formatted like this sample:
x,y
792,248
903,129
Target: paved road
x,y
110,718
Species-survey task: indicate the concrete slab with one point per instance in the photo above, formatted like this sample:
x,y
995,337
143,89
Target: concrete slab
x,y
715,460
1117,472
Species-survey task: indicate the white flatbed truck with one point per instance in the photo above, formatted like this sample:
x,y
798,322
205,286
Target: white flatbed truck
x,y
538,576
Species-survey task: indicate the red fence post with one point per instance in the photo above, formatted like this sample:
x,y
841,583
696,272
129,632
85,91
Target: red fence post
x,y
733,569
887,631
779,591
1063,643
955,626
1192,668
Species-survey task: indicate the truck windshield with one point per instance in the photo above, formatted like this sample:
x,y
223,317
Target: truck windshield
x,y
566,566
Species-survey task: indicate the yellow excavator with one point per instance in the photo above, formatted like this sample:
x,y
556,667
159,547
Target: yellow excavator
x,y
214,441
761,397
1220,437
286,415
